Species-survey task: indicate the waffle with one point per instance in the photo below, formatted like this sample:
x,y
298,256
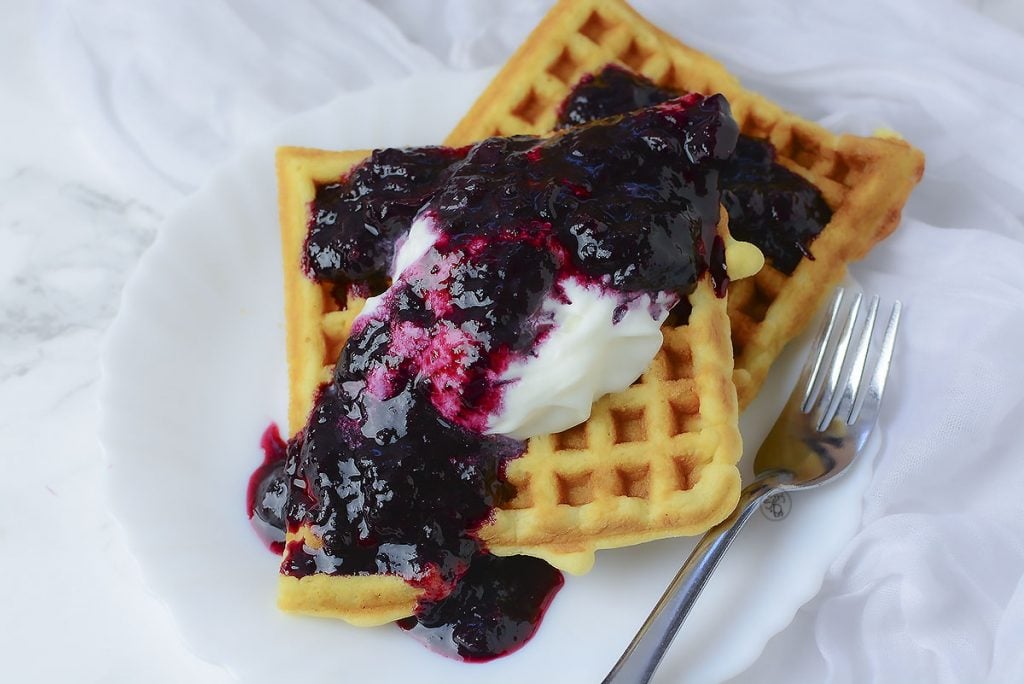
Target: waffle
x,y
865,181
655,460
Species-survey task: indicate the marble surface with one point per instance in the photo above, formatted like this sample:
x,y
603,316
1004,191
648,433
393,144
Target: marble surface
x,y
74,604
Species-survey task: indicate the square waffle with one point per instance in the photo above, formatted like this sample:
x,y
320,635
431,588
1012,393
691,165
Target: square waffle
x,y
865,181
655,460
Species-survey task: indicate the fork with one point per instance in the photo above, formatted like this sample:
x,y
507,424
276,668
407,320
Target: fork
x,y
823,427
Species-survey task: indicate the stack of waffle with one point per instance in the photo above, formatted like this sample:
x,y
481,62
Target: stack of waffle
x,y
657,459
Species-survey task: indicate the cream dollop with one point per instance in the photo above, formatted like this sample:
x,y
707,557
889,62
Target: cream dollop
x,y
599,343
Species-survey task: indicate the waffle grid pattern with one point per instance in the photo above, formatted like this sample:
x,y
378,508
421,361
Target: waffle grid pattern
x,y
655,460
865,181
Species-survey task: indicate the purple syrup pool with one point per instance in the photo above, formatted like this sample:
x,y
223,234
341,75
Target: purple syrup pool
x,y
768,204
393,471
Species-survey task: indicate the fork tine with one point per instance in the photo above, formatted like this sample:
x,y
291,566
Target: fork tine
x,y
871,397
844,402
812,372
835,369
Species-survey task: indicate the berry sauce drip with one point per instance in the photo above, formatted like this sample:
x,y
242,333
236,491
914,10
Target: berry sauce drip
x,y
768,205
393,472
267,494
495,609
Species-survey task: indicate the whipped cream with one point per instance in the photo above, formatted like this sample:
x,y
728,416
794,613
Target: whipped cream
x,y
410,249
599,343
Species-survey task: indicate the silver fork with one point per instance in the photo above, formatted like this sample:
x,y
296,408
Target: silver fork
x,y
823,427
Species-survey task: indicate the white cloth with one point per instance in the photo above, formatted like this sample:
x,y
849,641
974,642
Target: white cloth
x,y
932,587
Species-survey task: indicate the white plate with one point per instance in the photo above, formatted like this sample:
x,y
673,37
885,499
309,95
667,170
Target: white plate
x,y
195,370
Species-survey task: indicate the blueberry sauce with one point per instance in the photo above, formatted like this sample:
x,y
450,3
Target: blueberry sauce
x,y
614,90
771,206
768,204
393,471
356,222
390,487
267,493
495,609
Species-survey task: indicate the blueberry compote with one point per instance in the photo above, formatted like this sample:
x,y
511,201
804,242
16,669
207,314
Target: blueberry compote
x,y
768,204
494,608
394,471
355,224
267,494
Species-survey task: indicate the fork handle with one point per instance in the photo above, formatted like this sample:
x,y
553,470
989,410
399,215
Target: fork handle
x,y
643,655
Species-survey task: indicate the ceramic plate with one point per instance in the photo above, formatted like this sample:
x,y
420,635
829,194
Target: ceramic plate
x,y
195,371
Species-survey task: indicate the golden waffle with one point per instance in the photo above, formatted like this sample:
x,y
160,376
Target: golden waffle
x,y
655,460
865,181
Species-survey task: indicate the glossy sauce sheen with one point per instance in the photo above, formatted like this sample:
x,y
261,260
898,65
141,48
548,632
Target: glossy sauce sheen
x,y
768,204
495,608
393,471
267,494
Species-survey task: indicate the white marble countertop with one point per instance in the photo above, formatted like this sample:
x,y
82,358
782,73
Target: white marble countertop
x,y
74,604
